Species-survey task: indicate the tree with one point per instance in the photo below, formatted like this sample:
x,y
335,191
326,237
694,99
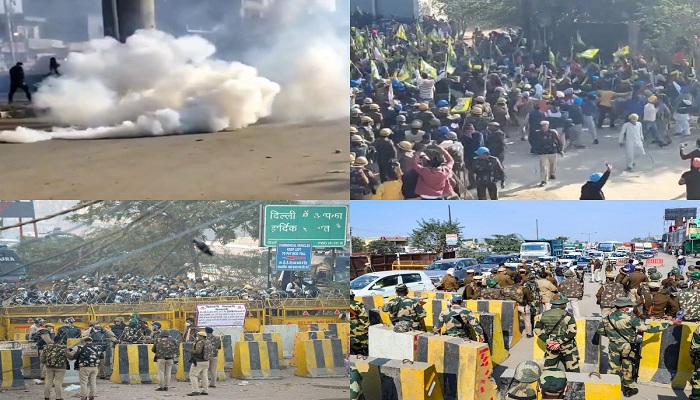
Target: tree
x,y
382,247
467,14
504,244
563,238
358,245
430,235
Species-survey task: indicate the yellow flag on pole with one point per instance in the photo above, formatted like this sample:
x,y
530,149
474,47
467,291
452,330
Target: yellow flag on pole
x,y
375,71
428,69
589,54
463,105
401,33
622,52
434,36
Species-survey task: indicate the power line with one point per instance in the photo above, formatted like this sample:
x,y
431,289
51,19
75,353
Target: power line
x,y
68,211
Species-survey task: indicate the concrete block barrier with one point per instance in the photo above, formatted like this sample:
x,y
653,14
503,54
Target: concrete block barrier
x,y
134,365
321,359
582,386
11,366
590,355
30,362
371,302
464,367
491,324
287,332
339,330
256,360
183,366
508,311
307,335
227,344
385,343
397,379
267,337
666,355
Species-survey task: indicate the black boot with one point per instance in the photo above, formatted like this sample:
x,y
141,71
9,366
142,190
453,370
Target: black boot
x,y
629,392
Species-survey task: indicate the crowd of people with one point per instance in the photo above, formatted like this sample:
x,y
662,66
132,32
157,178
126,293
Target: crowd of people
x,y
628,296
432,115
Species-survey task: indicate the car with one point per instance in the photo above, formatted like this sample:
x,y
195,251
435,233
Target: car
x,y
567,259
491,262
648,254
614,256
596,254
583,262
439,268
383,283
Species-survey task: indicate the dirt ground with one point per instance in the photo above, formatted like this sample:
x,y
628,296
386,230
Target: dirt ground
x,y
270,161
290,386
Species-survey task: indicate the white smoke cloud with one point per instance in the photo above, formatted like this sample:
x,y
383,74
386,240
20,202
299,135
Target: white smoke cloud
x,y
152,85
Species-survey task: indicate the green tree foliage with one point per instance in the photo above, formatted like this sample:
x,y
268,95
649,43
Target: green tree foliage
x,y
563,238
505,244
358,245
382,247
430,235
472,253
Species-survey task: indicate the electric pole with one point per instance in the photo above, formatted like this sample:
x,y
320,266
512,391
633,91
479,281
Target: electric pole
x,y
589,236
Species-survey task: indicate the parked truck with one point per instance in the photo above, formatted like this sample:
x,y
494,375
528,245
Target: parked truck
x,y
532,250
416,261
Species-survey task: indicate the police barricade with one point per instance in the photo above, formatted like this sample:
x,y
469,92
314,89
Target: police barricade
x,y
397,379
30,360
339,330
321,359
306,311
187,307
427,294
371,302
433,308
493,333
666,355
583,386
287,332
589,355
15,319
377,316
510,318
183,367
227,344
267,337
11,365
385,343
134,365
255,360
306,335
163,312
464,367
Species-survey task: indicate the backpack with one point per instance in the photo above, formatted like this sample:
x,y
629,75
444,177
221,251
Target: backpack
x,y
210,349
55,356
167,347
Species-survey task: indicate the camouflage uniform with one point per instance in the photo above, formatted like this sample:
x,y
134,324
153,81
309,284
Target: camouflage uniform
x,y
572,288
563,330
356,385
359,325
552,382
606,296
522,391
620,354
536,296
526,373
452,327
695,354
689,301
489,293
405,313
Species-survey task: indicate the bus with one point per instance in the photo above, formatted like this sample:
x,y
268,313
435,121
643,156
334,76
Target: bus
x,y
609,247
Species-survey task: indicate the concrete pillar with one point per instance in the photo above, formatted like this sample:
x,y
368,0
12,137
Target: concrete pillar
x,y
131,15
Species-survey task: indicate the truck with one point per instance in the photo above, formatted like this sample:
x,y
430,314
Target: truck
x,y
532,250
12,269
415,261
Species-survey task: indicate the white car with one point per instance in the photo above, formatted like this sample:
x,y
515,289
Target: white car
x,y
384,282
617,255
567,259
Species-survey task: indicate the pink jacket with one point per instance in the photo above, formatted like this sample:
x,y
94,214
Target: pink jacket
x,y
434,181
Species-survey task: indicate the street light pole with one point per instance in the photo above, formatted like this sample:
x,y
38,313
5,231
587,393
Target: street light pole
x,y
589,236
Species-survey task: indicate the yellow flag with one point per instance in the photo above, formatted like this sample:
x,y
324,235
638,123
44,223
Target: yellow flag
x,y
622,52
463,105
428,69
404,74
589,54
375,71
420,35
401,33
552,58
434,36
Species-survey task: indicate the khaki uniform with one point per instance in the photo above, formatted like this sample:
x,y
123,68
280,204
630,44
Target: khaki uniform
x,y
658,305
449,283
547,292
633,281
503,280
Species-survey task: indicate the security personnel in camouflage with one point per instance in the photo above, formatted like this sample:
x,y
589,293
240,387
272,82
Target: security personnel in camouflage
x,y
607,294
556,328
553,384
572,288
694,278
622,328
359,327
654,276
356,385
491,291
450,318
695,356
689,301
531,284
405,313
526,373
656,304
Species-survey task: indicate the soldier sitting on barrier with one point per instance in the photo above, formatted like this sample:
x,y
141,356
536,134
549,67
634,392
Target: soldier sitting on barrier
x,y
625,344
557,329
68,331
553,384
359,326
405,313
459,321
491,291
165,350
526,373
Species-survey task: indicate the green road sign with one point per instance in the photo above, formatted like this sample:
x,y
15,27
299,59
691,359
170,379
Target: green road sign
x,y
322,226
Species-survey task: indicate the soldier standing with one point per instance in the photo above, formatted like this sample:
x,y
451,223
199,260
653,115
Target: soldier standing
x,y
456,319
656,304
695,356
622,329
165,350
633,281
491,291
405,313
522,296
101,338
199,367
607,294
213,348
43,337
557,329
526,373
572,288
359,326
449,283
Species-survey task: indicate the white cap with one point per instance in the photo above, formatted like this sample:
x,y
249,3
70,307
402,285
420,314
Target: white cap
x,y
451,271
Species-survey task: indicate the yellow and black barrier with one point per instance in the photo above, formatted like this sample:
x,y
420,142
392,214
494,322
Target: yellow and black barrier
x,y
255,360
321,359
433,308
464,367
306,335
666,355
11,366
396,379
589,355
491,324
583,386
227,344
510,318
134,365
183,367
339,330
371,302
30,361
267,337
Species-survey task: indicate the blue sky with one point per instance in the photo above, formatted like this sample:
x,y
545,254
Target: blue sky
x,y
612,220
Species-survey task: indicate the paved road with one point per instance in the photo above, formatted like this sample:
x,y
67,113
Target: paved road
x,y
268,161
651,181
523,349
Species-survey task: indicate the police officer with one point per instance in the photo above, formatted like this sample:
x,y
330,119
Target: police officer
x,y
656,304
472,291
165,349
89,357
359,327
449,283
457,319
67,331
43,337
199,367
118,327
405,313
526,373
572,288
556,328
101,338
622,328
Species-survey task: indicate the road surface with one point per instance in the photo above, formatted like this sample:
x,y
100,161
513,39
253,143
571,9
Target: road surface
x,y
270,161
522,351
